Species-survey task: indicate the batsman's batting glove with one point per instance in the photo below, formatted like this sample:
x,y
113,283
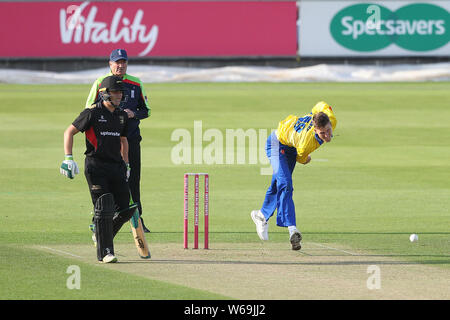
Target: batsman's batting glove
x,y
128,171
69,168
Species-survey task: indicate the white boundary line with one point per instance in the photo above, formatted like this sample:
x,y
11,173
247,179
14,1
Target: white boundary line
x,y
60,251
328,247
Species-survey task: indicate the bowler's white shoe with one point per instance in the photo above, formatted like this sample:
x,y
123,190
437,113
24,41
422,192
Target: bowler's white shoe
x,y
262,227
295,239
109,258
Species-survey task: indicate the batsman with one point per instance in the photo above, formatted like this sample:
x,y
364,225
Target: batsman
x,y
106,164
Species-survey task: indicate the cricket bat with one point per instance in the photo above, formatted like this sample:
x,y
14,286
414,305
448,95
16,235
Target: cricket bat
x,y
139,237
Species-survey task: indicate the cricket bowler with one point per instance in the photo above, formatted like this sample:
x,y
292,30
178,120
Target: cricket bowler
x,y
106,163
293,141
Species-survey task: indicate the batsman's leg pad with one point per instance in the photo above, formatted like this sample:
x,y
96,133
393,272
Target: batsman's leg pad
x,y
103,220
122,217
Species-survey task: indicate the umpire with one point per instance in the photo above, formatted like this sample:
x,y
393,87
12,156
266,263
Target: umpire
x,y
137,108
105,127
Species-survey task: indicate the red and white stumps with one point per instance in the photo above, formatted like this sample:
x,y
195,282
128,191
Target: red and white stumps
x,y
196,209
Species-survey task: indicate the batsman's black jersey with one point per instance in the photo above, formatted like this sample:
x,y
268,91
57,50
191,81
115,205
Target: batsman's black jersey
x,y
136,100
103,130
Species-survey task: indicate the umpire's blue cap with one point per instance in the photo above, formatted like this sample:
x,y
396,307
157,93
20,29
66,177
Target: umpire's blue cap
x,y
118,54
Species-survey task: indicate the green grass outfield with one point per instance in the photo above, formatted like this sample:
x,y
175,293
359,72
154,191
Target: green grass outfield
x,y
385,175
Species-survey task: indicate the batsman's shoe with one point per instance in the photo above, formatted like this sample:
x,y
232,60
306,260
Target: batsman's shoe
x,y
109,258
262,227
295,239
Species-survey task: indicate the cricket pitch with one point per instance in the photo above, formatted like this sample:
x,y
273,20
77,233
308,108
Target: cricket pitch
x,y
271,271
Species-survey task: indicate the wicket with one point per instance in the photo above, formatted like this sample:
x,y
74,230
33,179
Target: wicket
x,y
196,209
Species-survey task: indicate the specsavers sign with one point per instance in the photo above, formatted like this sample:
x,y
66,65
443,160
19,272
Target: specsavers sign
x,y
385,28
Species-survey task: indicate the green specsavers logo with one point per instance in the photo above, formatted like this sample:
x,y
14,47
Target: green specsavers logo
x,y
369,27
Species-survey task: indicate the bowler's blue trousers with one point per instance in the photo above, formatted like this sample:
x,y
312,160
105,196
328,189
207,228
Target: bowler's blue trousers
x,y
279,195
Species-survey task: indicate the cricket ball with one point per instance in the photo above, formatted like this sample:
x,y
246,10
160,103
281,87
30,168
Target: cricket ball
x,y
414,237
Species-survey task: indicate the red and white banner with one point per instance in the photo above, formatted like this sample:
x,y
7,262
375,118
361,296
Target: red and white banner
x,y
159,29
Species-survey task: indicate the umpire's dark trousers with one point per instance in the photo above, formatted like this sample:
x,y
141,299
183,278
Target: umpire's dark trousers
x,y
134,158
